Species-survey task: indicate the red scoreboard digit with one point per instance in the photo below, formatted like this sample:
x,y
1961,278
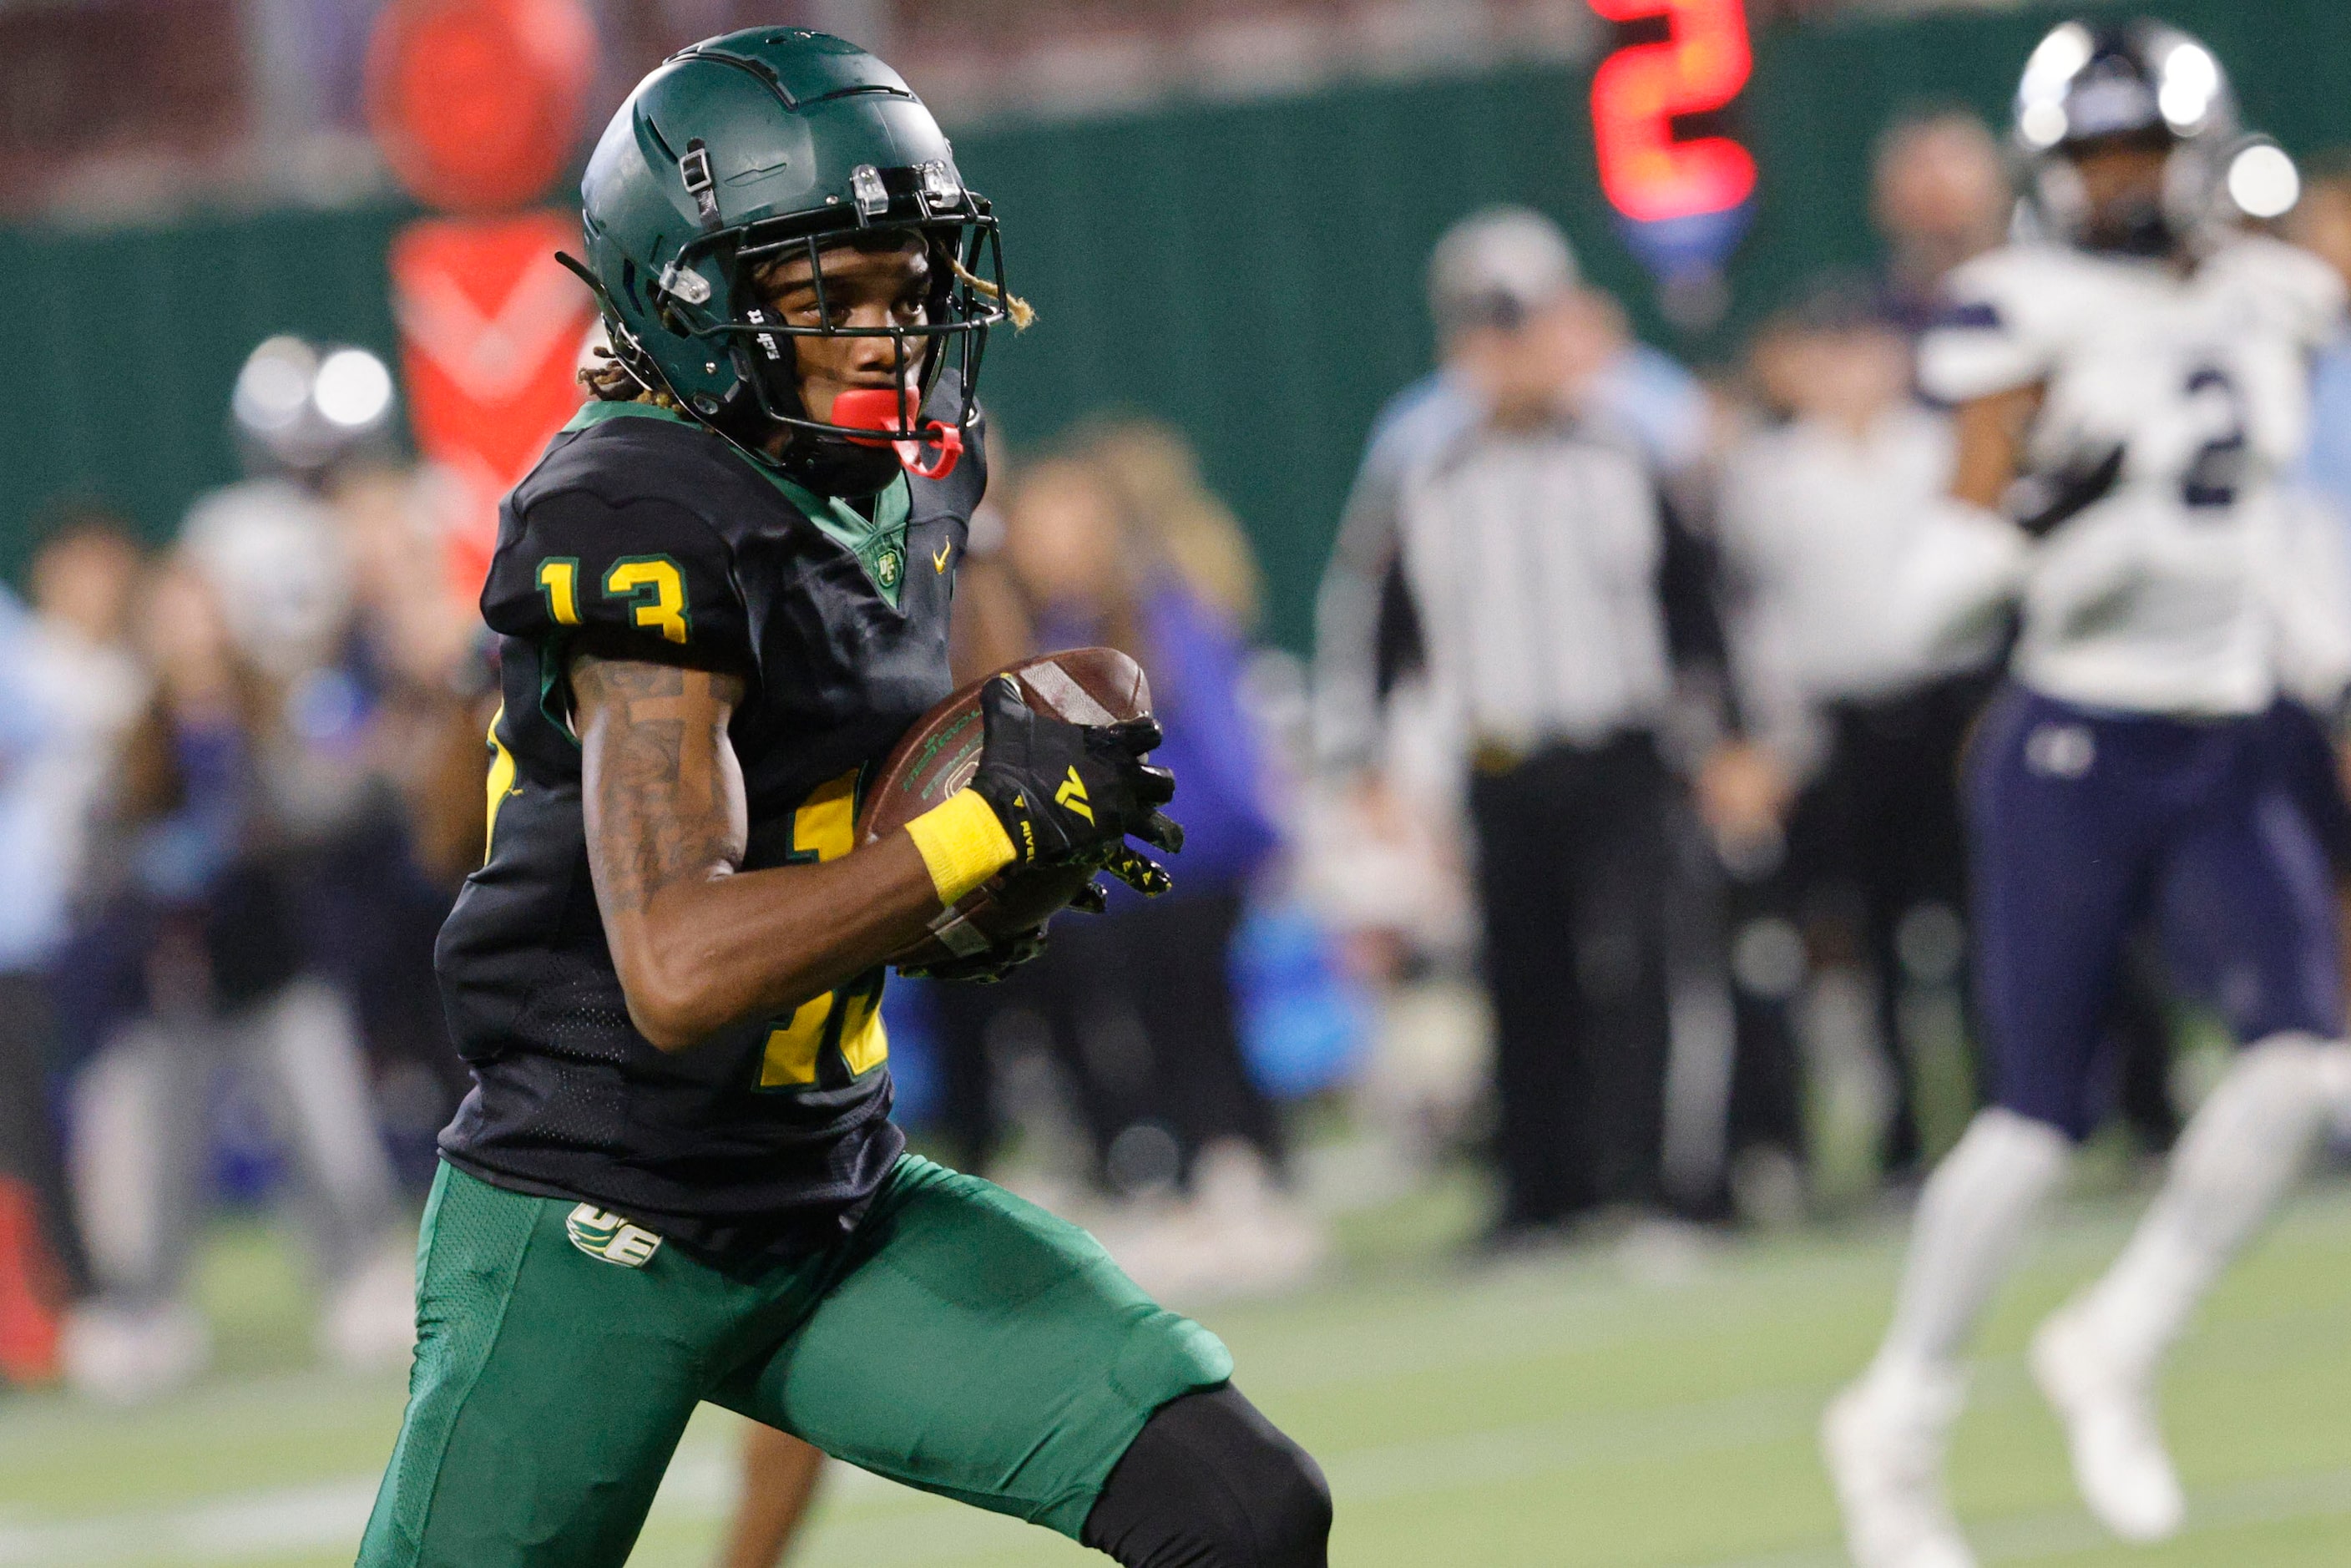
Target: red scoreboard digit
x,y
1638,92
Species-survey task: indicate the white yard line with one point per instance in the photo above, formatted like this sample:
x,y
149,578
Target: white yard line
x,y
240,1528
871,1520
875,1521
234,1529
2056,1532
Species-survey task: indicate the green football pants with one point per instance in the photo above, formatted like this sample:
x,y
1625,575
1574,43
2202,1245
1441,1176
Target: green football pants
x,y
960,1341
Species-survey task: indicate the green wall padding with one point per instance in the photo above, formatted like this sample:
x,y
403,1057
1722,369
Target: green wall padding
x,y
1251,271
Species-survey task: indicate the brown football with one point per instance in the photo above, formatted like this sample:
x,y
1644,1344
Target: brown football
x,y
938,755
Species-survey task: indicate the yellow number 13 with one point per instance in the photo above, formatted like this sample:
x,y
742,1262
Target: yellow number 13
x,y
657,589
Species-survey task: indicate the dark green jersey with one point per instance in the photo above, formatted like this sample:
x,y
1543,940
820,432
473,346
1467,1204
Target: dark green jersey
x,y
647,529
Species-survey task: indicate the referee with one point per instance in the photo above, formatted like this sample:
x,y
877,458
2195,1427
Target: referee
x,y
1530,569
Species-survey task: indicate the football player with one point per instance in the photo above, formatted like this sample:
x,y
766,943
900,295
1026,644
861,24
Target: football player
x,y
721,595
2127,385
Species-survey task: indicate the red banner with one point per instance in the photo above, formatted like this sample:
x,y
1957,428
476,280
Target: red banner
x,y
490,333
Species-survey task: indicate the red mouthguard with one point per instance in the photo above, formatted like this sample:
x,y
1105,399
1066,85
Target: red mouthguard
x,y
882,410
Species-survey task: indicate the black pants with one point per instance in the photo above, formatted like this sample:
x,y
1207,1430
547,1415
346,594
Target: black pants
x,y
1572,876
29,1148
1765,1108
1137,1008
1876,839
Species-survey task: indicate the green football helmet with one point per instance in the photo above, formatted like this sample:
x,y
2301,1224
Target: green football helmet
x,y
745,148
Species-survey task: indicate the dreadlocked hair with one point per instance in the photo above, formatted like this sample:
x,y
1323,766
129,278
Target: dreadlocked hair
x,y
609,380
1022,314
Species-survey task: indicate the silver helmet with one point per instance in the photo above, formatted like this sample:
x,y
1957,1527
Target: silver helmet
x,y
2088,83
301,408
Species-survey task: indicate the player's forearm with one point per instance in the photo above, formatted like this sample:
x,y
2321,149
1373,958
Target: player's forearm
x,y
1990,444
711,952
700,944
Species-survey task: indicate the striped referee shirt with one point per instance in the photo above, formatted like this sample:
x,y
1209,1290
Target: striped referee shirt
x,y
1533,560
1539,580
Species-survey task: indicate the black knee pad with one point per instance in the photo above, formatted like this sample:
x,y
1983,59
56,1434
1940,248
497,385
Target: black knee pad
x,y
1210,1483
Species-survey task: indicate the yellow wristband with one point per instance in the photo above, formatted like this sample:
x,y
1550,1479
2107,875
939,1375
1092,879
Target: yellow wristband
x,y
962,843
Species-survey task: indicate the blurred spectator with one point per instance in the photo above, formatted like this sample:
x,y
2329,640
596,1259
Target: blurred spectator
x,y
1532,563
2313,582
1116,540
263,883
33,1241
2321,223
1939,194
193,966
1816,512
71,691
378,881
1871,865
321,559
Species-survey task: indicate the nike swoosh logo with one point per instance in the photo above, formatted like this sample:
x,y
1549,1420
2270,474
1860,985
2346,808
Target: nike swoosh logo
x,y
939,561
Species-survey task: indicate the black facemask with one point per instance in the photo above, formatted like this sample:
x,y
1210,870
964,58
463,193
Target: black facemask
x,y
2137,227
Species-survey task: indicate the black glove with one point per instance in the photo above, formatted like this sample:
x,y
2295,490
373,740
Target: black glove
x,y
987,968
1074,791
2042,503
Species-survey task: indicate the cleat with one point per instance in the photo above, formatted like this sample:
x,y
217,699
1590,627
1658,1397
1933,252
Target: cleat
x,y
1884,1441
2120,1465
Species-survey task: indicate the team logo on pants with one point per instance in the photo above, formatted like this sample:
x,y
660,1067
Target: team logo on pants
x,y
2060,750
608,1235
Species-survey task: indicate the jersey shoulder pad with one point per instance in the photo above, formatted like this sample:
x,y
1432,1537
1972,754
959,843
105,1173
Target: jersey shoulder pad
x,y
2006,317
618,532
2287,288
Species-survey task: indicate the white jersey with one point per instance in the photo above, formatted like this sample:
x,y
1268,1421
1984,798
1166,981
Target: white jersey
x,y
1813,523
2154,598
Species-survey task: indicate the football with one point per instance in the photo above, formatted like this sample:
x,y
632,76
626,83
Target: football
x,y
938,757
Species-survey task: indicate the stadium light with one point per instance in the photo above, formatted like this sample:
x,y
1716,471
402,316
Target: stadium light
x,y
274,384
2264,182
353,388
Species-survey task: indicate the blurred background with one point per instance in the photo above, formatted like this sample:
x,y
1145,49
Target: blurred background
x,y
1545,1182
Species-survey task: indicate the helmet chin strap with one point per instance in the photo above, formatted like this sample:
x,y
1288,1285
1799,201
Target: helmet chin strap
x,y
832,466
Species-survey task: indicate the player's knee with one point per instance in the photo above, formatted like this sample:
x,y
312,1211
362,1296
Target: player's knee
x,y
1289,1509
1211,1483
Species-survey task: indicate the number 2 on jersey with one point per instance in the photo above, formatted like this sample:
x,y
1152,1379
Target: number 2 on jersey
x,y
2218,470
824,829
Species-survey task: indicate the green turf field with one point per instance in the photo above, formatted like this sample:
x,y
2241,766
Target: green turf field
x,y
1599,1408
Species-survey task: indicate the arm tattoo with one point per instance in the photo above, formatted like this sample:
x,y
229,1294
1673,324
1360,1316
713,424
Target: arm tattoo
x,y
664,804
